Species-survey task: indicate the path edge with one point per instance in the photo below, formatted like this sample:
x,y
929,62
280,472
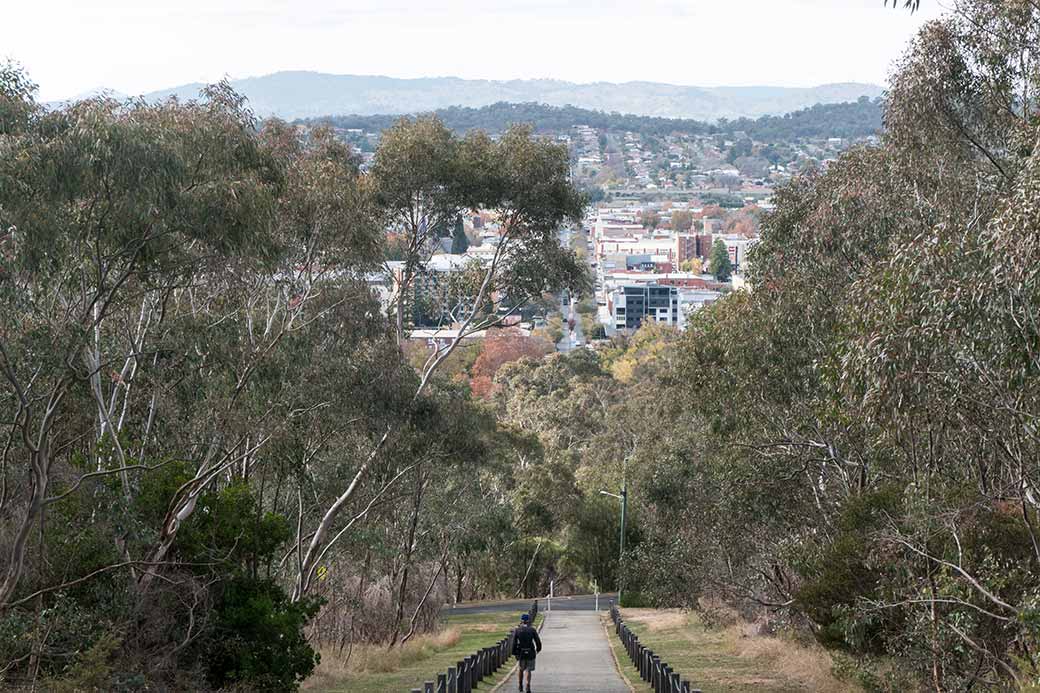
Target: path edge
x,y
613,654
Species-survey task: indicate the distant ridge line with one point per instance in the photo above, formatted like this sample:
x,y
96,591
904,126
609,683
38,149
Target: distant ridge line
x,y
305,94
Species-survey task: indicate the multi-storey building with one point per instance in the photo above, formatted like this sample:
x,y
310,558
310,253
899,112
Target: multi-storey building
x,y
630,306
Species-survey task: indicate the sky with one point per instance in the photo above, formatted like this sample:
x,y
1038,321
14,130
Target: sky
x,y
69,47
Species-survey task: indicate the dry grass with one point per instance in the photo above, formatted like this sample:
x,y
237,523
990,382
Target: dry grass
x,y
379,669
807,665
379,659
737,657
659,619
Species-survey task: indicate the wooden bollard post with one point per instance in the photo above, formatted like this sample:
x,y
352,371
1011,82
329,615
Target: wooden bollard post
x,y
451,681
460,678
428,687
442,683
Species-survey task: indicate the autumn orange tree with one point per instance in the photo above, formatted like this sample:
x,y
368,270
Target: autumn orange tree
x,y
499,348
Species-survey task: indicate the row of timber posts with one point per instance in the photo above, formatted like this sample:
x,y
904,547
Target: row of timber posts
x,y
661,677
465,676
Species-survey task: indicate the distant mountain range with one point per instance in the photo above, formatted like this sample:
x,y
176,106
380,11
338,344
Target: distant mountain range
x,y
293,95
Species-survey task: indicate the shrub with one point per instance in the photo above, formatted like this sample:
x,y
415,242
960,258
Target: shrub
x,y
258,638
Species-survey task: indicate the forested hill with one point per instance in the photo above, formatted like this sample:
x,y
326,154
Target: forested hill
x,y
847,120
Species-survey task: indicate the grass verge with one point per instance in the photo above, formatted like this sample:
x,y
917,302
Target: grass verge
x,y
733,659
627,670
377,669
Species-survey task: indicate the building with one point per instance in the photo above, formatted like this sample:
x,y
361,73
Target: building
x,y
433,298
644,263
629,306
738,247
689,246
692,300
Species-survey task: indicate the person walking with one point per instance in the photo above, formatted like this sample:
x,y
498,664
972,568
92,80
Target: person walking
x,y
526,646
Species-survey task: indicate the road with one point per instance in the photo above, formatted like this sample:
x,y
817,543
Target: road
x,y
572,338
583,602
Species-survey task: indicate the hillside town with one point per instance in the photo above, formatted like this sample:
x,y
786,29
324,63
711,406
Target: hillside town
x,y
655,261
726,168
669,229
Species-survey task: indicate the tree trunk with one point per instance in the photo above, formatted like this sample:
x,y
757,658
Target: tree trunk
x,y
408,553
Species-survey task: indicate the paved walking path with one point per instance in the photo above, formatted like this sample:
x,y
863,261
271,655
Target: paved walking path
x,y
575,657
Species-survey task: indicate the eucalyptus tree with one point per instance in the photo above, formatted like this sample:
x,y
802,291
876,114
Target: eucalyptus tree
x,y
420,185
117,220
171,278
868,410
524,182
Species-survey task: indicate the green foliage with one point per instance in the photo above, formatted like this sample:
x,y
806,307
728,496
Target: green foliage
x,y
459,241
93,670
229,528
846,120
257,638
837,576
17,95
719,263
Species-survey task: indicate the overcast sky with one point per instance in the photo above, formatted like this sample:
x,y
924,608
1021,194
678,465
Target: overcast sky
x,y
135,46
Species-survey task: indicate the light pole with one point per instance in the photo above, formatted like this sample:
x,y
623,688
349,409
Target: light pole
x,y
621,557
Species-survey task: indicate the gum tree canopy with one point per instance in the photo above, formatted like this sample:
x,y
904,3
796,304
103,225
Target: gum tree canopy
x,y
200,395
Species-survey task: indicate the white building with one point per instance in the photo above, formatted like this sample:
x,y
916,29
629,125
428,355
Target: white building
x,y
631,306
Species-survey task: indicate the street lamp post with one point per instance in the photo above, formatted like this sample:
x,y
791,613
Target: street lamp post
x,y
621,557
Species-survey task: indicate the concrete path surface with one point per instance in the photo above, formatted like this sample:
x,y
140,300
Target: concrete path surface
x,y
575,657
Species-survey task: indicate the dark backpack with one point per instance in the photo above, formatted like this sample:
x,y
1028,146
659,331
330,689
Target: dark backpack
x,y
523,643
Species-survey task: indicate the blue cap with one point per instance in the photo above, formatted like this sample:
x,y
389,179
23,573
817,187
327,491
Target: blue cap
x,y
525,617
